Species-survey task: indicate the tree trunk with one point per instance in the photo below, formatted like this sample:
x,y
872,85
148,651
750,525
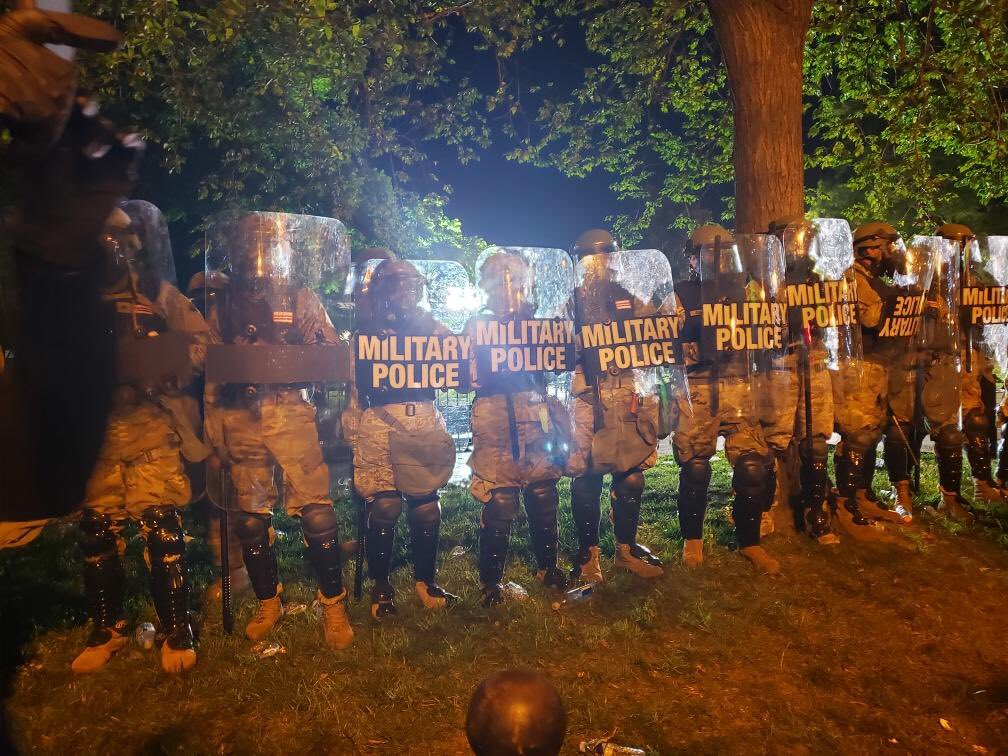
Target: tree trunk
x,y
763,45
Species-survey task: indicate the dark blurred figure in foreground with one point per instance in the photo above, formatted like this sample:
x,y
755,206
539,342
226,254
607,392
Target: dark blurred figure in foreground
x,y
58,371
516,712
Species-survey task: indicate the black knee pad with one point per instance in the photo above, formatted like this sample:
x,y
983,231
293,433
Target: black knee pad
x,y
98,535
949,439
751,477
165,538
424,510
502,507
629,485
543,496
976,425
386,508
820,449
860,442
585,489
319,522
695,474
250,528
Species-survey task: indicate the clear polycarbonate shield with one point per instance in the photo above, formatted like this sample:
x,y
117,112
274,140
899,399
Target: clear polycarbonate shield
x,y
984,304
821,292
153,260
941,327
268,277
627,319
526,320
907,273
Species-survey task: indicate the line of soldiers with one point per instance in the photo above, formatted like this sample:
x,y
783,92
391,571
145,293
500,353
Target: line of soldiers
x,y
772,342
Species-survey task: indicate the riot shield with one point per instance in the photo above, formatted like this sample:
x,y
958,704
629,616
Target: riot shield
x,y
984,304
425,362
279,267
908,277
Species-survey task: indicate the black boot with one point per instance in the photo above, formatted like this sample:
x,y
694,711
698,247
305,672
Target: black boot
x,y
948,449
815,490
424,516
541,504
170,585
382,517
627,490
105,590
586,510
495,538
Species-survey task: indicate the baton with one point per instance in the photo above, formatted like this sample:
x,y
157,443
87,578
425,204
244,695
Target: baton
x,y
361,505
918,415
807,389
966,278
227,616
715,366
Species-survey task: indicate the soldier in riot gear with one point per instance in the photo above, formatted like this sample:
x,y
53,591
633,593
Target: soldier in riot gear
x,y
615,420
140,473
515,423
884,275
721,402
266,302
824,337
402,450
978,405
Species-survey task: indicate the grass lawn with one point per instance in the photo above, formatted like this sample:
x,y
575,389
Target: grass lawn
x,y
855,649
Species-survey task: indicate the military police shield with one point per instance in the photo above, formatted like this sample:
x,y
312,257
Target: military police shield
x,y
984,303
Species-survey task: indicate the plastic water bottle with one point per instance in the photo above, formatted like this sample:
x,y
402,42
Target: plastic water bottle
x,y
145,636
575,595
605,748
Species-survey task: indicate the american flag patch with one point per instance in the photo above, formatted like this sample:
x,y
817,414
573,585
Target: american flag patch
x,y
284,316
131,308
624,304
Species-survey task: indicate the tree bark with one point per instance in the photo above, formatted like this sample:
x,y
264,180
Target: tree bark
x,y
763,46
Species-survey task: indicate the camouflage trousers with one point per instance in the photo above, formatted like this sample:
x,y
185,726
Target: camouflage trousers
x,y
279,431
736,419
373,464
493,459
139,465
781,395
860,398
627,438
947,387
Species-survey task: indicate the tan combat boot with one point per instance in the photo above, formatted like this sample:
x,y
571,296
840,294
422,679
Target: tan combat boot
x,y
762,561
986,493
865,532
642,565
953,505
591,570
176,660
269,613
904,501
873,511
338,633
692,552
102,645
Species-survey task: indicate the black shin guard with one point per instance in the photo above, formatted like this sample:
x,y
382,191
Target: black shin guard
x,y
694,484
978,447
382,517
753,483
586,510
896,451
542,503
1003,459
104,576
948,450
424,516
162,527
495,536
626,493
815,488
253,531
320,528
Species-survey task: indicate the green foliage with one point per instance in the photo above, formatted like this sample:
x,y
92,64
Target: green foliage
x,y
906,115
315,107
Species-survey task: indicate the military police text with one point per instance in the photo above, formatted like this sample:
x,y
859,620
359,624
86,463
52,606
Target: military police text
x,y
421,362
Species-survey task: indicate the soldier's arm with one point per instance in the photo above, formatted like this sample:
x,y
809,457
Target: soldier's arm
x,y
869,302
316,327
183,316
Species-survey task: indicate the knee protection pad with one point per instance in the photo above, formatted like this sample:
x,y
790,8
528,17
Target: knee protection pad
x,y
695,475
860,443
251,529
975,425
949,439
820,449
424,510
319,522
751,476
99,538
629,485
543,497
586,490
502,507
386,508
165,538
